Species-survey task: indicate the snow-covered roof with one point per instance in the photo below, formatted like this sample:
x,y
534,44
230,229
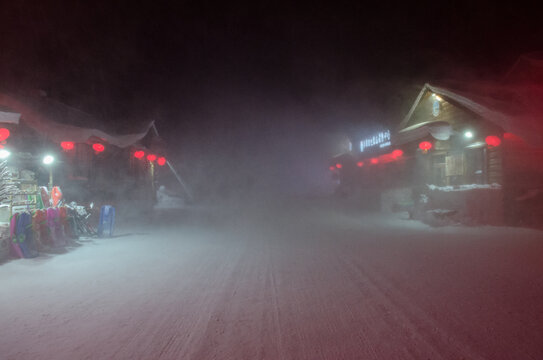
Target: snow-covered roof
x,y
515,103
516,108
9,117
55,120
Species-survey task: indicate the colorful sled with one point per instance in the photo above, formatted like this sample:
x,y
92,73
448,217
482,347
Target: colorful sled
x,y
25,236
56,196
52,225
14,244
41,229
59,229
106,223
45,197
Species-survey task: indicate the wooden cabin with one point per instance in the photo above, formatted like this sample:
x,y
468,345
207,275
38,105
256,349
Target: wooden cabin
x,y
90,164
474,149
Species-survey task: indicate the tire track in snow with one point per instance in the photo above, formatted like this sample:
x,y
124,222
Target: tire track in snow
x,y
201,341
181,309
239,323
437,344
478,335
276,308
455,321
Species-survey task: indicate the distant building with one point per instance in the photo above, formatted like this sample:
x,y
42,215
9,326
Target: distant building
x,y
477,148
465,152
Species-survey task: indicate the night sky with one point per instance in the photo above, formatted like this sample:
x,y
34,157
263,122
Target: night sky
x,y
203,67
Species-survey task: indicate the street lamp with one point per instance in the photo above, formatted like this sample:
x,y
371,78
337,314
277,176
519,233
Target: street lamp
x,y
4,154
48,160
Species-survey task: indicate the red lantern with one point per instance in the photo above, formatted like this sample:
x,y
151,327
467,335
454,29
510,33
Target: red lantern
x,y
67,145
4,134
139,154
339,166
493,140
397,153
332,168
425,146
374,161
360,164
161,161
98,147
151,157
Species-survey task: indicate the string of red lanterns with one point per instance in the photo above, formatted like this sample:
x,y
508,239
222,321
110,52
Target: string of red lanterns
x,y
491,141
394,155
97,147
140,154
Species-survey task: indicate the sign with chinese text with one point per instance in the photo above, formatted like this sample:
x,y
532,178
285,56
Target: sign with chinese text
x,y
380,139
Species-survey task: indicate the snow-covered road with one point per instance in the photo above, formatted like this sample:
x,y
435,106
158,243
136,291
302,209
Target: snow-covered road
x,y
287,282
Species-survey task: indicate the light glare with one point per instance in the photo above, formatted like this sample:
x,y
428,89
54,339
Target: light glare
x,y
4,154
48,159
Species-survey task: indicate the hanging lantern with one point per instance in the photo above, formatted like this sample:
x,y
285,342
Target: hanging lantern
x,y
67,145
339,166
425,146
161,161
4,134
98,148
151,157
332,167
397,153
360,164
374,161
493,140
139,154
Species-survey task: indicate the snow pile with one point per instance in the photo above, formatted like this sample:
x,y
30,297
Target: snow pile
x,y
464,187
472,204
4,241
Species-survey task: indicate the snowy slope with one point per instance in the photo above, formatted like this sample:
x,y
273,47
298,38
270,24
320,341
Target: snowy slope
x,y
287,282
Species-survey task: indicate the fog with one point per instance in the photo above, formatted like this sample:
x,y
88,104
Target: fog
x,y
297,279
247,245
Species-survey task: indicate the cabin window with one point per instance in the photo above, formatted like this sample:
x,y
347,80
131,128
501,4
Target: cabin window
x,y
475,171
81,162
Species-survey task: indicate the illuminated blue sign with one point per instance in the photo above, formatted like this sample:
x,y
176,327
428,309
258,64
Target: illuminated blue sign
x,y
435,107
381,139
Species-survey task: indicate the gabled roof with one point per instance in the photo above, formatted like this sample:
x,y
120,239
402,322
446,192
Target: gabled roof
x,y
516,108
527,69
53,120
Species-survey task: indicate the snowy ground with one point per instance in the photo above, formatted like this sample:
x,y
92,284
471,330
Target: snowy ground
x,y
288,282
